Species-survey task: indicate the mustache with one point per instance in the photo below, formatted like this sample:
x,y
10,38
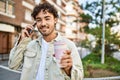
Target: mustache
x,y
44,26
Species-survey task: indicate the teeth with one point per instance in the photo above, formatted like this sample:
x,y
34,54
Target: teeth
x,y
44,28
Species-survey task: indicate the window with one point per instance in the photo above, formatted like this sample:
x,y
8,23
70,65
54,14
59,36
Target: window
x,y
7,7
10,8
28,15
2,6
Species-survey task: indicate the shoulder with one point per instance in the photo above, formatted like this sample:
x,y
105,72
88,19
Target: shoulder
x,y
68,41
32,44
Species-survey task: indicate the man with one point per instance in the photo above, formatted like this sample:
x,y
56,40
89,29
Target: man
x,y
38,57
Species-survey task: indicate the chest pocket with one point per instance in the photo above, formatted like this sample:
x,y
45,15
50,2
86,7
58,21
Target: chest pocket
x,y
29,58
30,54
55,72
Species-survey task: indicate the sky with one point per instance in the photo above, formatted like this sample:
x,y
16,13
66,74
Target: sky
x,y
89,1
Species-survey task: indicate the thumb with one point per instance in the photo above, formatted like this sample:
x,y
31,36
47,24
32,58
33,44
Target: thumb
x,y
68,52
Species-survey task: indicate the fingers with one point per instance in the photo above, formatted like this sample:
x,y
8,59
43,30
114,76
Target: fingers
x,y
34,24
66,63
67,52
66,56
66,60
27,31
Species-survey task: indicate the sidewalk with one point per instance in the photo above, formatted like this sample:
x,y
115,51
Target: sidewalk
x,y
5,72
105,78
8,74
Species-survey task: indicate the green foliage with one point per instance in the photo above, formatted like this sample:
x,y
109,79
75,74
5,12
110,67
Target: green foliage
x,y
93,61
113,64
85,18
110,22
85,43
95,8
110,38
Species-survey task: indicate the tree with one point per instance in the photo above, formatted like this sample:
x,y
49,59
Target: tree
x,y
95,10
110,39
85,18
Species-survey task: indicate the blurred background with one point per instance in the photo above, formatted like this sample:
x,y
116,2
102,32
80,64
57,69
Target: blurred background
x,y
93,25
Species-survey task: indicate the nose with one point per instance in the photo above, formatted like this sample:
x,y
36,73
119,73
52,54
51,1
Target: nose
x,y
43,23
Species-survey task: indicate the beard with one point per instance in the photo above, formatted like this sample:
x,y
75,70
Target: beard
x,y
47,33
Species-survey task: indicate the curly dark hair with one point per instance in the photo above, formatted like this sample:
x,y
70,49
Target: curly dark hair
x,y
44,6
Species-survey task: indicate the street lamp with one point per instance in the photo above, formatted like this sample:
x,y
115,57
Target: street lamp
x,y
103,33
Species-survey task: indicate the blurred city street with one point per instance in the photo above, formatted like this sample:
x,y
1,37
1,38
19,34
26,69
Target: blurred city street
x,y
5,72
8,74
93,25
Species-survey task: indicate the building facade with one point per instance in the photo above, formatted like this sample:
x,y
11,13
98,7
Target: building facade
x,y
73,12
14,15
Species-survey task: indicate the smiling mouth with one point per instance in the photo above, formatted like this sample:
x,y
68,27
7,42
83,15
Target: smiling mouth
x,y
44,28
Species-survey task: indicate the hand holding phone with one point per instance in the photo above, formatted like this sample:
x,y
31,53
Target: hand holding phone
x,y
30,31
26,32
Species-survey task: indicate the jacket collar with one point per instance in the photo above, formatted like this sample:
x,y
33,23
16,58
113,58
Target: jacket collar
x,y
39,39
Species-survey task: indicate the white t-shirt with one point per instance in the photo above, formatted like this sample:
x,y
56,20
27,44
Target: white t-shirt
x,y
40,74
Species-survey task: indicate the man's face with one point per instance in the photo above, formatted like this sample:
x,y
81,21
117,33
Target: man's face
x,y
45,23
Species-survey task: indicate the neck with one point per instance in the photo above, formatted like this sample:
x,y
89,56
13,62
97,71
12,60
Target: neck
x,y
50,37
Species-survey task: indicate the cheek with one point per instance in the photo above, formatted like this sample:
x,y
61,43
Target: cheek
x,y
38,26
51,22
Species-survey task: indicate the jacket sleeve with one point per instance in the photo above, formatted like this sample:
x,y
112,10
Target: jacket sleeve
x,y
77,68
16,54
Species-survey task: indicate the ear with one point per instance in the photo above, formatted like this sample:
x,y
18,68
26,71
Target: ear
x,y
56,19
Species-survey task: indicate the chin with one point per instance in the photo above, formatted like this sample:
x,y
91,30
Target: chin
x,y
45,34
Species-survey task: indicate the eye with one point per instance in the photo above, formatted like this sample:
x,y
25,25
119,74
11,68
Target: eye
x,y
38,20
47,19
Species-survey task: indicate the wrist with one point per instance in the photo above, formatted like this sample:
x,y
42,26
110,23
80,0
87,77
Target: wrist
x,y
68,71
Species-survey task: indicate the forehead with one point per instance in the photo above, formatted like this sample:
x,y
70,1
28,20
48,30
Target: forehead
x,y
44,13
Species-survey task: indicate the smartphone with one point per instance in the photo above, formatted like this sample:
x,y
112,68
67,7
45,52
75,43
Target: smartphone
x,y
30,31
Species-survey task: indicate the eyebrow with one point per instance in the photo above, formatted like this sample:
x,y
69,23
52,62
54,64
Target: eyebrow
x,y
47,16
44,17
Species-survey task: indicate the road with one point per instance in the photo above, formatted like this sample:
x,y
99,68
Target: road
x,y
8,74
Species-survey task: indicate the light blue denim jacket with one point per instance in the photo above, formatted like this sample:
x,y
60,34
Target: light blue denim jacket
x,y
28,53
